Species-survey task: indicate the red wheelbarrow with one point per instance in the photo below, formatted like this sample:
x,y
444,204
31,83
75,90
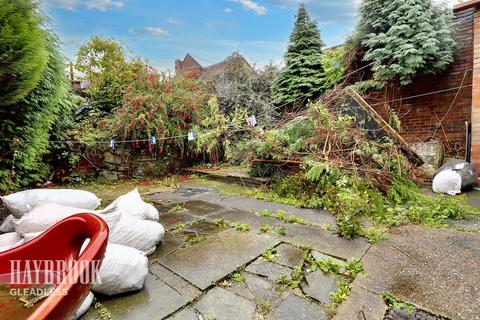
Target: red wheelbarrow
x,y
54,259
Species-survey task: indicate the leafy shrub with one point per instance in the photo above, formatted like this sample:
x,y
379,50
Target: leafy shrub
x,y
334,67
241,87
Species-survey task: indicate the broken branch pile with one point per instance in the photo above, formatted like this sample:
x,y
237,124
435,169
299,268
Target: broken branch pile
x,y
347,167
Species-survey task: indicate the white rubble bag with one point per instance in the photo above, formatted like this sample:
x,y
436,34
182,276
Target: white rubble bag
x,y
84,307
123,269
448,182
143,235
132,204
7,225
44,216
9,241
21,202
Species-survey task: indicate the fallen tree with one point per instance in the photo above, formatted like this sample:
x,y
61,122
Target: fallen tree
x,y
348,169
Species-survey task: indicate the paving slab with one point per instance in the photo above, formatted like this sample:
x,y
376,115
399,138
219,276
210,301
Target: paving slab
x,y
361,305
318,256
172,220
220,304
469,223
326,242
195,193
185,314
254,221
156,300
166,200
319,286
170,243
200,208
473,197
437,270
176,238
289,255
255,288
314,217
295,307
204,228
173,281
268,269
207,262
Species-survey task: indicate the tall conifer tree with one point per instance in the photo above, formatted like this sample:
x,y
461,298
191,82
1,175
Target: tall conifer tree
x,y
302,76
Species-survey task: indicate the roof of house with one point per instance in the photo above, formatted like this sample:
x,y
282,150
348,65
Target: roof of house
x,y
466,5
216,69
211,71
189,63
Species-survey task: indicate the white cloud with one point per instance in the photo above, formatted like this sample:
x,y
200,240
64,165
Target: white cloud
x,y
175,21
228,10
153,31
103,5
254,6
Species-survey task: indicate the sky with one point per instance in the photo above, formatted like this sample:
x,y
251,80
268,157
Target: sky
x,y
210,30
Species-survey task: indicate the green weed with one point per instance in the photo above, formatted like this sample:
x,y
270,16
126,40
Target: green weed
x,y
281,230
238,277
270,255
221,223
342,292
196,239
396,304
266,228
328,266
375,234
240,226
177,208
353,268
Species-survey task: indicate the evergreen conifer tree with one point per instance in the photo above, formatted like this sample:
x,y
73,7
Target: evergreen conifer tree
x,y
302,76
31,120
405,37
23,55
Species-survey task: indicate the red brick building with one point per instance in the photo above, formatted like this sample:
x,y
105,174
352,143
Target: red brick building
x,y
443,106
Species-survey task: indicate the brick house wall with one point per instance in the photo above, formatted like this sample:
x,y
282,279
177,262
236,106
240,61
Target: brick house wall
x,y
475,117
422,116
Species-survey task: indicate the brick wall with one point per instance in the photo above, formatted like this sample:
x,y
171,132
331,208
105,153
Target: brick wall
x,y
421,116
475,115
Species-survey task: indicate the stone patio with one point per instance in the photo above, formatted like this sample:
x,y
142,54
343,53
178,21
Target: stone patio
x,y
434,269
194,280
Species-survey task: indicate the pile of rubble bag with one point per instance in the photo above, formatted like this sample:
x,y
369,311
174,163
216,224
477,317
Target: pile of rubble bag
x,y
134,232
454,177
